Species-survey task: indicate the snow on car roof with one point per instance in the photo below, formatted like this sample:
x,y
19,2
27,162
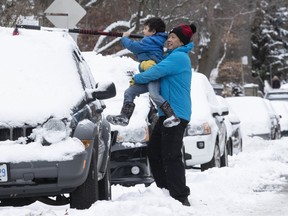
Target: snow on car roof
x,y
252,112
38,76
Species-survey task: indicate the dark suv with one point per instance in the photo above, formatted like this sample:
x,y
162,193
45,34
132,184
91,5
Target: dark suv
x,y
55,144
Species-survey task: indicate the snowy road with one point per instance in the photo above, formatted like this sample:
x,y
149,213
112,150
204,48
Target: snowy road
x,y
255,183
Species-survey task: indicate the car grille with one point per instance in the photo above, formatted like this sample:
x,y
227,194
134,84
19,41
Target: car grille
x,y
14,133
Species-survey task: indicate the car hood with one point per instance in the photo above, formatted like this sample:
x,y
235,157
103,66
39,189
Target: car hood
x,y
204,102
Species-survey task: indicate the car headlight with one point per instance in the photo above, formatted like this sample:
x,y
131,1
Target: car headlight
x,y
54,130
136,135
203,129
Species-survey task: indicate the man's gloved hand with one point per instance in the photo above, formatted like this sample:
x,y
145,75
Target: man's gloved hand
x,y
132,82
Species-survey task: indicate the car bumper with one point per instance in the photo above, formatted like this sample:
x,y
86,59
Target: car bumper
x,y
43,178
129,165
200,149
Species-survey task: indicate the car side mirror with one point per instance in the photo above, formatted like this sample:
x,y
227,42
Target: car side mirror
x,y
102,91
226,112
234,120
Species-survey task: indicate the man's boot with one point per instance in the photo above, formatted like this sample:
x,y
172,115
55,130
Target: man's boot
x,y
171,119
124,117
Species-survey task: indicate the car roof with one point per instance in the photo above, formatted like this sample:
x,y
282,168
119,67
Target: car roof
x,y
277,94
38,73
253,113
272,91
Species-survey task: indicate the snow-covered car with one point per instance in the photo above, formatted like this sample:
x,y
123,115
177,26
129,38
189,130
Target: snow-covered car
x,y
254,116
275,120
277,94
54,141
281,108
232,122
205,137
129,162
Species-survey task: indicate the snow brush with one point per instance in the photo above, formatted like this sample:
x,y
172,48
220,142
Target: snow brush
x,y
78,31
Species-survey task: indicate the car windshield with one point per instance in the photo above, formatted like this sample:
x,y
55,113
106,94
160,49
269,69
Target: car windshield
x,y
48,84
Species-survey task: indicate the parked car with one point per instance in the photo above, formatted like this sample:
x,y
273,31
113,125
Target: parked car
x,y
281,108
205,137
232,122
129,162
277,94
254,115
55,144
218,88
275,119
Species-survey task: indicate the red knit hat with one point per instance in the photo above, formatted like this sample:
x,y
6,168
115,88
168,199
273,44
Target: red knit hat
x,y
184,32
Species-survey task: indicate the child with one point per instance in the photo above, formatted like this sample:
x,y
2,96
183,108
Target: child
x,y
149,51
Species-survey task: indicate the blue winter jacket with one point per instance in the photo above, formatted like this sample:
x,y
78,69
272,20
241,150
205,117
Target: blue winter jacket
x,y
150,47
175,74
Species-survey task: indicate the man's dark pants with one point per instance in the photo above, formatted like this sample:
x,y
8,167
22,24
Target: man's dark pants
x,y
166,160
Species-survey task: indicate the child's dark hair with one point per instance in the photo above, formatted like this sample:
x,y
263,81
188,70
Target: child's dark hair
x,y
156,24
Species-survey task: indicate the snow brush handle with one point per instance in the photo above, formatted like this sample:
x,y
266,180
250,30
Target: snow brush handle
x,y
79,31
93,32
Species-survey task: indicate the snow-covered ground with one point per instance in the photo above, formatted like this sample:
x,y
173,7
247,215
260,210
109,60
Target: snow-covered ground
x,y
253,184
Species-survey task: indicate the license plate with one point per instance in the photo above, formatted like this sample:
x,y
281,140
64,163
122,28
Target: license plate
x,y
3,173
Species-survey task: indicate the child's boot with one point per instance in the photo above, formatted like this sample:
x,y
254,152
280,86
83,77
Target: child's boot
x,y
125,115
172,120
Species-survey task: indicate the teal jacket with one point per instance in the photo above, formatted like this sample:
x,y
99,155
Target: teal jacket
x,y
175,73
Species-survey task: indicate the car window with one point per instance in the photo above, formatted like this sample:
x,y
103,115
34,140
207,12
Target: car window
x,y
277,96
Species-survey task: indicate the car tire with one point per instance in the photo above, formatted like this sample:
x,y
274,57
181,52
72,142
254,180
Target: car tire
x,y
278,134
87,193
241,146
229,147
215,161
105,185
224,157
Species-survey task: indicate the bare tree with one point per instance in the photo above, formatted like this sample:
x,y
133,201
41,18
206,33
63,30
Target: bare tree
x,y
222,38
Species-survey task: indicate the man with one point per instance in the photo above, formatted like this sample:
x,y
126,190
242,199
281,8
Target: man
x,y
165,146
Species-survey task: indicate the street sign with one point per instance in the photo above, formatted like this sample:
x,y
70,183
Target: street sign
x,y
64,13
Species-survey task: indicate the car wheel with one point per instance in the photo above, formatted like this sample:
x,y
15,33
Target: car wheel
x,y
105,185
229,147
240,146
278,136
273,135
87,193
215,161
224,157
